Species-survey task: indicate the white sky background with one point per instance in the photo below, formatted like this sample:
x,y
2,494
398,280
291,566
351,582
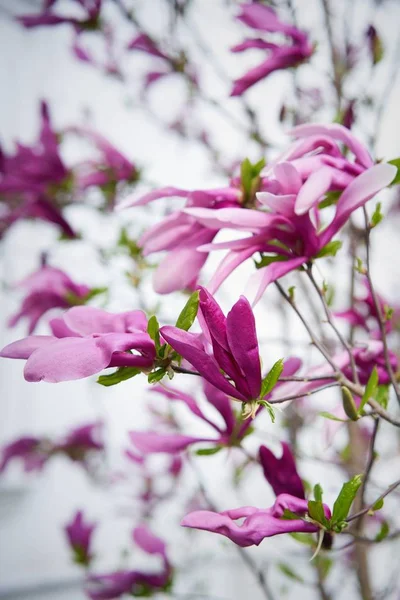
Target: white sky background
x,y
36,65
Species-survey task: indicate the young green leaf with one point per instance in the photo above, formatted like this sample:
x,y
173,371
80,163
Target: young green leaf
x,y
153,329
331,417
377,215
318,492
271,379
121,374
189,312
396,163
383,532
288,571
156,375
370,389
208,451
316,512
331,249
349,406
269,408
345,499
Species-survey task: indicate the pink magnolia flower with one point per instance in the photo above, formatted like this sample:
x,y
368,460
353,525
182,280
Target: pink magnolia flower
x,y
85,341
371,355
364,314
234,343
29,176
132,582
30,450
112,168
281,473
230,434
47,288
287,225
34,452
79,535
89,21
170,64
258,523
264,18
180,235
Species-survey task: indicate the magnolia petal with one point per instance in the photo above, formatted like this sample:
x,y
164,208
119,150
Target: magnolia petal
x,y
261,280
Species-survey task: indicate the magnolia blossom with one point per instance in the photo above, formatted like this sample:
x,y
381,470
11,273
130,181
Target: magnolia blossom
x,y
364,313
90,20
47,288
34,452
79,535
85,341
234,343
169,64
132,582
112,168
288,225
230,434
281,473
258,523
180,235
28,176
296,50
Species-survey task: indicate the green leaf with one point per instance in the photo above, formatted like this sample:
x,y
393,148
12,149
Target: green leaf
x,y
359,266
331,417
121,374
153,329
269,408
377,215
271,379
330,198
248,173
318,492
288,571
156,375
396,163
268,259
370,389
382,395
316,512
189,312
383,532
324,565
331,249
378,505
208,451
345,499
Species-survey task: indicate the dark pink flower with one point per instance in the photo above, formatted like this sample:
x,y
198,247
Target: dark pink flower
x,y
30,450
130,582
258,523
281,473
47,288
234,343
85,341
82,441
295,51
89,21
79,536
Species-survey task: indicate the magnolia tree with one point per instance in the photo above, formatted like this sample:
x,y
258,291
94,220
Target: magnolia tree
x,y
300,398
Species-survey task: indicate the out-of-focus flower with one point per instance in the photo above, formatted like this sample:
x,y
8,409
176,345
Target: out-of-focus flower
x,y
130,582
290,230
364,314
258,523
34,452
47,288
281,473
107,172
79,536
85,341
89,21
170,64
369,356
283,56
180,235
30,177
